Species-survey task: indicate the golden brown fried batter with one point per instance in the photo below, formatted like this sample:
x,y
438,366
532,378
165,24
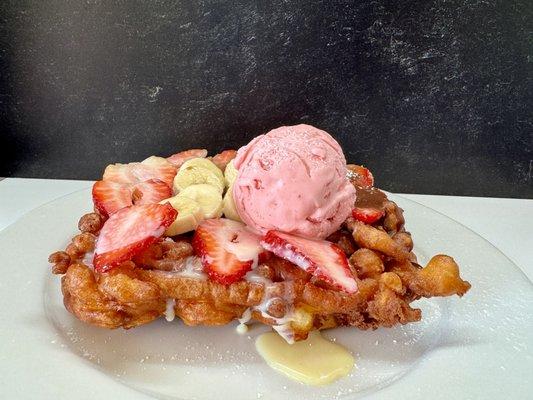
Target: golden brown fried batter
x,y
83,299
165,255
394,220
205,313
440,277
91,223
367,263
375,239
137,291
60,261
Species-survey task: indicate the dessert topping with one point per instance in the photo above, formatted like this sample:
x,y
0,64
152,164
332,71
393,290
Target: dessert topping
x,y
227,249
360,176
367,215
129,231
221,160
132,173
314,361
321,258
179,158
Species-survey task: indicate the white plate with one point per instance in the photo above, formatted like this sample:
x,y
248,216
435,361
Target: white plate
x,y
475,347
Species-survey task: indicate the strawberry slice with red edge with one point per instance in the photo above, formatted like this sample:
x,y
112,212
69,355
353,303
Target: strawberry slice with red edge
x,y
109,197
179,158
222,159
151,191
132,173
160,168
122,185
320,258
129,231
367,215
227,249
361,176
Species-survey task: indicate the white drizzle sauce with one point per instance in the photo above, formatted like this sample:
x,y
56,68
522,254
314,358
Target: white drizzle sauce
x,y
285,331
246,316
283,324
88,259
254,277
242,329
192,268
255,261
169,310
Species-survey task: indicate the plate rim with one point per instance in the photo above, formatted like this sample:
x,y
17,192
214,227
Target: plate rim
x,y
28,214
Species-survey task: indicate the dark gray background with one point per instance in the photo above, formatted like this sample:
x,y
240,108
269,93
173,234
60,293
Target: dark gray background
x,y
433,96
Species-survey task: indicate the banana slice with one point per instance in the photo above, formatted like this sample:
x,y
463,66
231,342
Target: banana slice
x,y
189,215
207,196
230,174
195,175
203,163
229,209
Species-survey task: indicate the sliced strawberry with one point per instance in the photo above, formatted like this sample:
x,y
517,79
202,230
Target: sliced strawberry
x,y
122,185
132,173
151,191
164,170
227,249
321,258
222,159
109,197
119,173
129,231
179,158
360,176
367,215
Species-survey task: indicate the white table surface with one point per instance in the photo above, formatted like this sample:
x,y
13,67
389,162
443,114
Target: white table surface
x,y
506,223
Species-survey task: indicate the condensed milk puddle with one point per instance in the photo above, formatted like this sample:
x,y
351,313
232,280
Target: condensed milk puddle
x,y
314,361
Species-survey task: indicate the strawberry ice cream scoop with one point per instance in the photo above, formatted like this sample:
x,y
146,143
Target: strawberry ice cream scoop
x,y
293,179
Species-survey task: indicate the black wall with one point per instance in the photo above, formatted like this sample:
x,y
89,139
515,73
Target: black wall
x,y
433,96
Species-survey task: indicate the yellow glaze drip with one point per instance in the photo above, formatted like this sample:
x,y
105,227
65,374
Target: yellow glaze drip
x,y
315,361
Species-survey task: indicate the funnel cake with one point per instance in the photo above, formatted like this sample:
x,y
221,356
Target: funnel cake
x,y
198,277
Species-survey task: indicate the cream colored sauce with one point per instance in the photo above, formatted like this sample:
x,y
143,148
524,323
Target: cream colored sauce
x,y
192,268
242,329
315,361
246,316
169,310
